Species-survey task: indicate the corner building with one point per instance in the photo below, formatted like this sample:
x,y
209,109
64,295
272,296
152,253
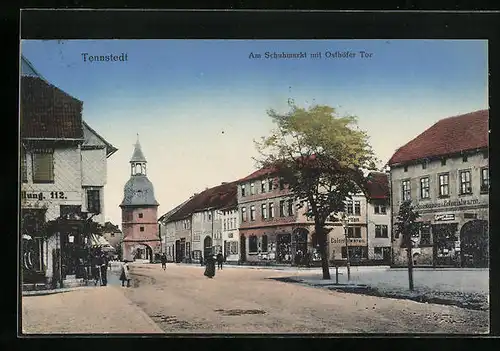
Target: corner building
x,y
444,172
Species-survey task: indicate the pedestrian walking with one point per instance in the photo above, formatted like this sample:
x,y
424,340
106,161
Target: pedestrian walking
x,y
104,269
125,274
220,260
201,260
163,261
210,266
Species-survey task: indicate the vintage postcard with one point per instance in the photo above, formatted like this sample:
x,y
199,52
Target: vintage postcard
x,y
254,186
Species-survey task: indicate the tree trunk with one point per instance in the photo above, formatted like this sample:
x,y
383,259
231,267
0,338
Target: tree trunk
x,y
410,263
323,251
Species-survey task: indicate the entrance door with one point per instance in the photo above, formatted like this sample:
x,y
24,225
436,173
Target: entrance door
x,y
243,248
177,251
207,247
474,244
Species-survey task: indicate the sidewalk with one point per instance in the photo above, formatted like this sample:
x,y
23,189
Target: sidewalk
x,y
98,310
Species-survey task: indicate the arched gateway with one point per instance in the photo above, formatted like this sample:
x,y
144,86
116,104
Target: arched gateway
x,y
474,244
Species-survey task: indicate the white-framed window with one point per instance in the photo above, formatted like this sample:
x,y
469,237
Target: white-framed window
x,y
252,188
243,214
406,190
271,210
357,207
290,207
263,186
465,182
444,184
282,208
93,200
354,232
379,209
252,213
424,188
349,207
263,211
381,231
485,180
243,190
270,183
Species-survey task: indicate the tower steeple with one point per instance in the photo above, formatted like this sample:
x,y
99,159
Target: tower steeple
x,y
138,161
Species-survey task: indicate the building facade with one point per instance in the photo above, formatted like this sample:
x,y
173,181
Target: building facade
x,y
113,235
63,172
444,172
141,239
230,233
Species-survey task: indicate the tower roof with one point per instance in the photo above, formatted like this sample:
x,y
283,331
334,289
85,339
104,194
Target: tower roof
x,y
138,156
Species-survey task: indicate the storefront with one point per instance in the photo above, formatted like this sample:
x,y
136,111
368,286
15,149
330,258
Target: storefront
x,y
357,244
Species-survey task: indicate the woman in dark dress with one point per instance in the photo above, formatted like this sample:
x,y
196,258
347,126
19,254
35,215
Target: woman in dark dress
x,y
209,266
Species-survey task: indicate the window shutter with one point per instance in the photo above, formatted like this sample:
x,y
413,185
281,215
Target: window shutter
x,y
43,166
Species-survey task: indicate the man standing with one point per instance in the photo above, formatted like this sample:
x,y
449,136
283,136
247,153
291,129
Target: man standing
x,y
220,259
163,261
104,268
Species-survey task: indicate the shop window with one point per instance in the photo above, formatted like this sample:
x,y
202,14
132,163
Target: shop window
x,y
282,208
264,243
424,188
43,166
94,201
243,190
263,186
252,188
465,183
243,214
485,180
405,186
356,253
271,210
252,244
444,184
252,213
425,234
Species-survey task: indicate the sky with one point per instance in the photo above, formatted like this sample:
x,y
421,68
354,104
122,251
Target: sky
x,y
197,105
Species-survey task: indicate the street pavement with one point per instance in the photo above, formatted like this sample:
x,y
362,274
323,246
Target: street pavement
x,y
182,300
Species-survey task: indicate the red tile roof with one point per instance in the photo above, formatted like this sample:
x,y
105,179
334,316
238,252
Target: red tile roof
x,y
48,112
448,136
377,185
220,197
260,173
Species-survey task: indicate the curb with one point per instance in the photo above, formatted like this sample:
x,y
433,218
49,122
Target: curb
x,y
53,291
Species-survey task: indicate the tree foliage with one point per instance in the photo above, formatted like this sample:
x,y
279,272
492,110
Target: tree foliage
x,y
321,156
406,223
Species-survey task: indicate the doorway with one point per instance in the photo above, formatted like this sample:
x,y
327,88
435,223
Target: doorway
x,y
474,244
243,248
207,247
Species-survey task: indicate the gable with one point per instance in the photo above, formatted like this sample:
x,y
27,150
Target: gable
x,y
91,138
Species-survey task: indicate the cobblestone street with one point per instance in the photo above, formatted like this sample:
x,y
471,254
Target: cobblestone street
x,y
182,300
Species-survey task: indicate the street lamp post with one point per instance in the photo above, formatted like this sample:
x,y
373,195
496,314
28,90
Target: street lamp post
x,y
348,264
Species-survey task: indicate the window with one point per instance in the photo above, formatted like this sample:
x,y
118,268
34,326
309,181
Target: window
x,y
282,184
264,243
252,213
243,214
405,184
424,188
354,232
349,206
381,231
443,162
425,234
464,158
357,208
225,224
141,229
43,166
243,190
424,165
112,235
485,180
465,183
263,186
290,207
24,165
252,243
377,250
263,211
444,186
270,185
252,188
282,208
140,215
209,216
405,168
271,210
380,209
93,201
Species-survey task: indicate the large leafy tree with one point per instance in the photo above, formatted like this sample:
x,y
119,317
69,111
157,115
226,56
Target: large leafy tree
x,y
407,226
321,156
